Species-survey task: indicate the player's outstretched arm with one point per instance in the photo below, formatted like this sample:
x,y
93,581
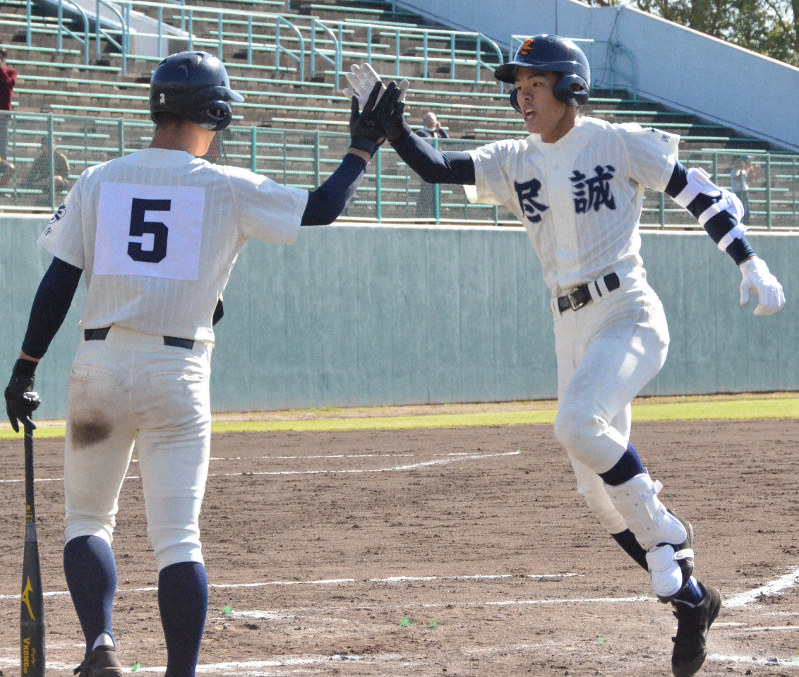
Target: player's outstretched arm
x,y
720,212
389,111
429,163
329,200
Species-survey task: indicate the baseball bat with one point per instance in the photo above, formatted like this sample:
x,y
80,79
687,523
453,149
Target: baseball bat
x,y
31,613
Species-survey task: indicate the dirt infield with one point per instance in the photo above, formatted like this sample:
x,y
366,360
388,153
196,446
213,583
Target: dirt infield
x,y
438,552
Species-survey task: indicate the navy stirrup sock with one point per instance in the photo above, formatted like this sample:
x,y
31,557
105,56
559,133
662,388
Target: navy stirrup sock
x,y
690,594
633,548
91,575
627,467
183,602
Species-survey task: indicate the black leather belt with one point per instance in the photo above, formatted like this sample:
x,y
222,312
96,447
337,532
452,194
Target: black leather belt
x,y
581,295
101,333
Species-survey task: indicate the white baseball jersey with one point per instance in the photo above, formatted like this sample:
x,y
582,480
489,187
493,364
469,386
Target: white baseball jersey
x,y
579,198
157,233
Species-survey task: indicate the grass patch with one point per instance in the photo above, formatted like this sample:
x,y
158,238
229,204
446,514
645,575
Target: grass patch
x,y
331,419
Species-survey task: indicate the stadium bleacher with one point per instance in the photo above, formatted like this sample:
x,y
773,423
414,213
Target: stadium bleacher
x,y
288,57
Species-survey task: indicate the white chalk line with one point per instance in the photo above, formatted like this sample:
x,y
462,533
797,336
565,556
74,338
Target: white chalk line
x,y
243,667
576,600
318,456
774,587
754,660
341,581
451,458
360,471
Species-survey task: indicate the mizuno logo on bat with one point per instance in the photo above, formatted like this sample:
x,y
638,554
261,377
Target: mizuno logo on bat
x,y
25,597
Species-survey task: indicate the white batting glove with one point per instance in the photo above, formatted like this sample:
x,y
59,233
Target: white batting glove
x,y
758,279
362,80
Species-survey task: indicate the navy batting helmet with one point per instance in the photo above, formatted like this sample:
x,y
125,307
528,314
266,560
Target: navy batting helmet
x,y
193,86
554,54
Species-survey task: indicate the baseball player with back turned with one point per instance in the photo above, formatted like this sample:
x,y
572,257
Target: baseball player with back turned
x,y
577,184
157,233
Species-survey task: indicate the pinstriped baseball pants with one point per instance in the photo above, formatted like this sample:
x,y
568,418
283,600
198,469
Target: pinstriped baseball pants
x,y
132,391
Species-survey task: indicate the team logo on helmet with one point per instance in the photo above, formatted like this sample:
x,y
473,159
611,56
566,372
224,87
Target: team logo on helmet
x,y
527,46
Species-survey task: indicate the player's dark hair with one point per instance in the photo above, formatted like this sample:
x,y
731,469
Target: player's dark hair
x,y
164,119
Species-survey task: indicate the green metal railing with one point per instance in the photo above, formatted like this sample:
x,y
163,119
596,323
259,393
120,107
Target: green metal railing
x,y
273,35
390,191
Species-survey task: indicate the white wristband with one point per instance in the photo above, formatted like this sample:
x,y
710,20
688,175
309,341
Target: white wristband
x,y
697,181
735,234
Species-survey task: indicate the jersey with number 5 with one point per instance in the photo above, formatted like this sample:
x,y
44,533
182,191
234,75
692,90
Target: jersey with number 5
x,y
157,233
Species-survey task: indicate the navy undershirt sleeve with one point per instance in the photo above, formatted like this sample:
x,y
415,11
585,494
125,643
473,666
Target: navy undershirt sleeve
x,y
719,225
50,306
326,203
432,165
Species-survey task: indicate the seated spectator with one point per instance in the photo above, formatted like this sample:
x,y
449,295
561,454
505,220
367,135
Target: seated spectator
x,y
39,175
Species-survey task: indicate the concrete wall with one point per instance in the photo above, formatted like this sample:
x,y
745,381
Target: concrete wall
x,y
676,65
375,314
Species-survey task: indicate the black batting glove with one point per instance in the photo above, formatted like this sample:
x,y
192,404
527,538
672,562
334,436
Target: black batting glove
x,y
21,401
389,112
365,130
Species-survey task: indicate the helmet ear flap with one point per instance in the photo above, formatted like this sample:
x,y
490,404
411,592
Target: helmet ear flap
x,y
514,100
218,116
571,89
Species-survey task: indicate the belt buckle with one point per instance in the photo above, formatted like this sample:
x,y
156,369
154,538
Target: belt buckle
x,y
574,303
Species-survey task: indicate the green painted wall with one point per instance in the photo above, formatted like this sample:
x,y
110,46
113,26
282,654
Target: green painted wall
x,y
374,314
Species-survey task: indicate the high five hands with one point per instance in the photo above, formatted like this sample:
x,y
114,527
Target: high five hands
x,y
381,109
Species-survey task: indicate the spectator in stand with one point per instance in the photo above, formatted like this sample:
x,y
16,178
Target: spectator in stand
x,y
432,127
39,176
740,177
8,78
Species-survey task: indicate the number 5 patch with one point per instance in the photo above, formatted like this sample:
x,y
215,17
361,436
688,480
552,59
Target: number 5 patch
x,y
154,231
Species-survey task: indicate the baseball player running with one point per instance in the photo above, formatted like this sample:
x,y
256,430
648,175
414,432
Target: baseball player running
x,y
157,234
576,183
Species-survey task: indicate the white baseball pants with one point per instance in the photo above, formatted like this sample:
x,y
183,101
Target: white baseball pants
x,y
131,389
607,351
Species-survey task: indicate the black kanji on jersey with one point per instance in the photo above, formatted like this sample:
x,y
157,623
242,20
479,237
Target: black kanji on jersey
x,y
595,191
527,192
